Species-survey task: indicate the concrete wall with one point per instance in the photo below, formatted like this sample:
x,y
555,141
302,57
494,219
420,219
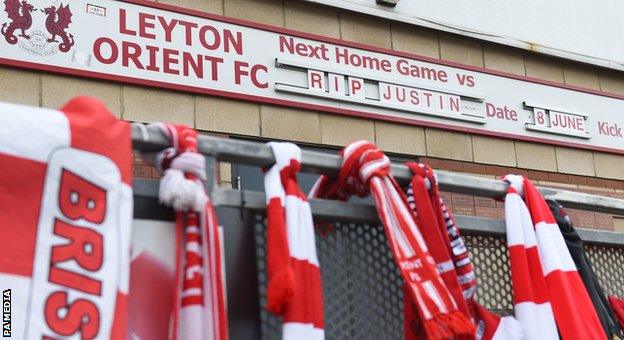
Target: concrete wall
x,y
250,119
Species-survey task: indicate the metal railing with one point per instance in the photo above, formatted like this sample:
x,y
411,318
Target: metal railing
x,y
361,286
147,139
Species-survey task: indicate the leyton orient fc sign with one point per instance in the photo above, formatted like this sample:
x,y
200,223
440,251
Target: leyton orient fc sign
x,y
157,45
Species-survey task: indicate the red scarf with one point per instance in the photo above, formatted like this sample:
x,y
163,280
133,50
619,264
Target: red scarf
x,y
65,220
365,169
294,290
617,305
451,255
431,221
547,287
199,297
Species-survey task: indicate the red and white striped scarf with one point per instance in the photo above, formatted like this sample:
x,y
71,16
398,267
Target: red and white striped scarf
x,y
65,220
617,305
365,169
548,291
294,290
200,302
426,205
451,255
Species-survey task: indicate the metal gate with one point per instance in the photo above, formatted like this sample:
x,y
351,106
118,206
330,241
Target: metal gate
x,y
363,295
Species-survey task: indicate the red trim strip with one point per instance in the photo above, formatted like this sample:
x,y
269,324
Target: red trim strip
x,y
323,108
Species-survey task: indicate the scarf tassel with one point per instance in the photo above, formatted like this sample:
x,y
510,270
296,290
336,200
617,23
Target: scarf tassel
x,y
280,289
181,193
448,325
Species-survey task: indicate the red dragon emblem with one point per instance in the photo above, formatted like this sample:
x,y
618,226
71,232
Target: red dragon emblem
x,y
57,21
19,13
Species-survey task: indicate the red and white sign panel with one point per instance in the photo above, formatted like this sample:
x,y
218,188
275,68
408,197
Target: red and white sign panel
x,y
158,45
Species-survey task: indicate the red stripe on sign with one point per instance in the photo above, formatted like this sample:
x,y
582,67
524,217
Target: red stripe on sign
x,y
574,312
21,189
306,306
95,129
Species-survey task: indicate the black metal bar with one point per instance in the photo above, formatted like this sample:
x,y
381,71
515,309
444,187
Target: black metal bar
x,y
257,154
359,213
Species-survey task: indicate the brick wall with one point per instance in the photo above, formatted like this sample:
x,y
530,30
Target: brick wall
x,y
143,167
485,207
589,169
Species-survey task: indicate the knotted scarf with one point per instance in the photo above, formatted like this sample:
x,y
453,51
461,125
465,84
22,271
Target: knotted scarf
x,y
548,291
200,304
366,170
451,255
294,289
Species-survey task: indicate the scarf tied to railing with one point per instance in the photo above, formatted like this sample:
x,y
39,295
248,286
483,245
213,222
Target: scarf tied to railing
x,y
550,299
294,290
200,303
451,256
366,170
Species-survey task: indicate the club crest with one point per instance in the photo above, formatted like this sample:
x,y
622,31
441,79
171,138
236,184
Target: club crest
x,y
39,31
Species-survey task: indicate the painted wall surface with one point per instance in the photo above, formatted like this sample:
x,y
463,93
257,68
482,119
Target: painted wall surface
x,y
581,30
